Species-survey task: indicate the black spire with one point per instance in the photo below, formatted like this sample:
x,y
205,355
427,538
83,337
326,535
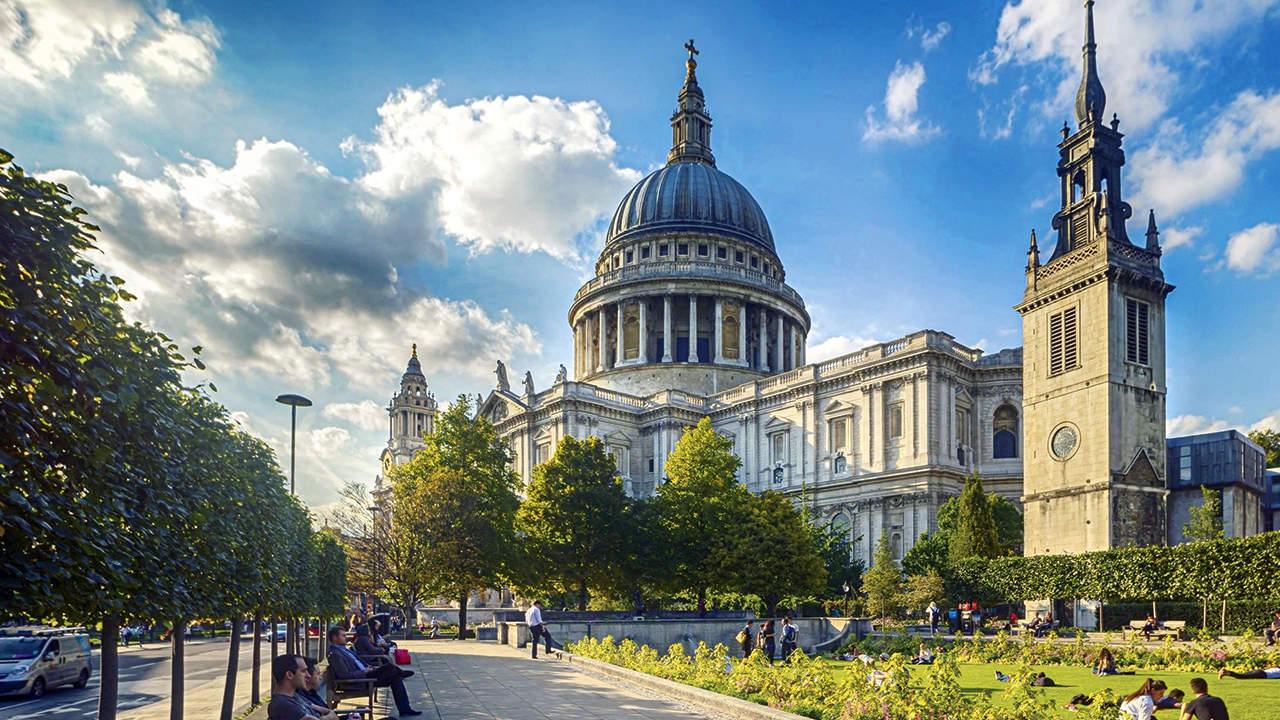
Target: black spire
x,y
1091,100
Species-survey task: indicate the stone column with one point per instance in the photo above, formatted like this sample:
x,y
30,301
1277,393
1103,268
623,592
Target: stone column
x,y
742,335
619,358
778,361
643,335
666,329
600,339
718,335
764,340
693,328
801,341
795,348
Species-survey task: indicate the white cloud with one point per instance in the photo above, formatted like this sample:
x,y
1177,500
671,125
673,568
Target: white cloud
x,y
836,346
1177,173
1193,425
1142,47
1177,237
44,41
179,52
901,101
1235,409
929,39
1270,422
129,87
1253,250
1041,201
365,414
524,173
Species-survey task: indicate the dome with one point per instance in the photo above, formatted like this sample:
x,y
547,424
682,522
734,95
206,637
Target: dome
x,y
690,196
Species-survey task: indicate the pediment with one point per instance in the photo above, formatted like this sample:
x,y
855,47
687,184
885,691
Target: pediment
x,y
1141,471
777,423
839,408
963,396
617,438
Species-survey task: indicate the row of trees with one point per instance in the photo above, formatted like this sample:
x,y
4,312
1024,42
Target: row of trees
x,y
459,526
128,496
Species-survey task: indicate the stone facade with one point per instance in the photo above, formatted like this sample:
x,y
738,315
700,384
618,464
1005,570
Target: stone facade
x,y
1094,354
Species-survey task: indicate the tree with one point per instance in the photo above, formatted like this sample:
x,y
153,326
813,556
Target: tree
x,y
923,589
1270,442
930,553
975,530
574,520
701,510
1008,524
458,496
773,554
1205,521
836,551
932,550
882,584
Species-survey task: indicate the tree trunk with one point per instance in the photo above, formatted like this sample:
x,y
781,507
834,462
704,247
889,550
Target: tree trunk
x,y
109,667
1223,627
1102,625
702,602
1153,610
275,642
1204,613
582,595
306,637
462,618
255,694
233,668
322,637
177,669
291,636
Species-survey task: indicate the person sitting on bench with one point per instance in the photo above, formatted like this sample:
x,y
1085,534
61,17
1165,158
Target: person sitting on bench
x,y
1271,673
289,673
1152,625
375,632
1044,627
1270,634
346,666
367,649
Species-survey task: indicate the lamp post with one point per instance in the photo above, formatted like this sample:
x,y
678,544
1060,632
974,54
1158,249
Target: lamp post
x,y
845,587
294,402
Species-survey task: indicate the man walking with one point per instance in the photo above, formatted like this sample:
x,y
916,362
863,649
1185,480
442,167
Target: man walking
x,y
533,618
788,638
934,614
1204,706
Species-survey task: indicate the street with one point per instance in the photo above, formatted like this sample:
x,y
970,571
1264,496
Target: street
x,y
144,679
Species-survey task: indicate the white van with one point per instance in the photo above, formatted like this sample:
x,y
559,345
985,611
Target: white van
x,y
33,660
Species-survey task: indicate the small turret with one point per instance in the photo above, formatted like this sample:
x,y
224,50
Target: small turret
x,y
690,125
1033,253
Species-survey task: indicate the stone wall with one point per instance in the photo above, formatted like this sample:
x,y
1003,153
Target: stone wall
x,y
661,634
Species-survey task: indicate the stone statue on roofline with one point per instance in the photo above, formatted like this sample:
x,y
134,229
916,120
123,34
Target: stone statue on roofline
x,y
528,382
501,372
562,375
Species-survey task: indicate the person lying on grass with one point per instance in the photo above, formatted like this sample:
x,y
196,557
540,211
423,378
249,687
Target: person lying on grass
x,y
1271,673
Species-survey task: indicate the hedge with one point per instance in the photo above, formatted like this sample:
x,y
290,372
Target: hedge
x,y
1233,569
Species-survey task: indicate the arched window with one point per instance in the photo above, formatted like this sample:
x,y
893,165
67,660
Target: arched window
x,y
1004,436
1077,186
843,525
896,541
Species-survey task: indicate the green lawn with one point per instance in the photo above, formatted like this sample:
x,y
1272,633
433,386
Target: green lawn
x,y
1253,699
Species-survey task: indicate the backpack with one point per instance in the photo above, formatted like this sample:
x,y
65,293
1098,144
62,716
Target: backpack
x,y
789,633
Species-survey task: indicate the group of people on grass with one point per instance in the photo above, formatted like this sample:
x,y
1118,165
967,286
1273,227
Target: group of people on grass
x,y
370,656
766,638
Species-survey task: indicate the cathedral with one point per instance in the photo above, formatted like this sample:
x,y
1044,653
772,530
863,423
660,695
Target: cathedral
x,y
689,315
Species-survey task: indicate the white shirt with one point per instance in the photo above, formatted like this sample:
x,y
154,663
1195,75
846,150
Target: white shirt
x,y
1273,673
1140,708
533,616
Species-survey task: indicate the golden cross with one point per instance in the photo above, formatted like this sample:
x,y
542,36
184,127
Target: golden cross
x,y
692,50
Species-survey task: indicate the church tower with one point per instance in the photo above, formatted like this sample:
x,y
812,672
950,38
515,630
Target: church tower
x,y
1093,353
412,413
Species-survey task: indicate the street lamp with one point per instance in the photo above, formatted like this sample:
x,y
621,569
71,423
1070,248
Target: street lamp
x,y
294,402
845,587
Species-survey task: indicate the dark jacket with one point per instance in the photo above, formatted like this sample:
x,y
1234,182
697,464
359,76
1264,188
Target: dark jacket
x,y
365,646
344,668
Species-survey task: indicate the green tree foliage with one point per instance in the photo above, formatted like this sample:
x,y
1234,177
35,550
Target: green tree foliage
x,y
975,529
929,554
1205,522
773,553
835,549
574,520
932,550
882,584
1270,442
701,510
125,494
920,590
458,496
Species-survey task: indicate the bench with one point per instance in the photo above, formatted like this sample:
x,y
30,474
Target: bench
x,y
1176,629
1024,626
334,690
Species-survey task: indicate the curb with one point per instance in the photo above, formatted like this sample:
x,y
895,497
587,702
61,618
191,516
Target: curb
x,y
714,701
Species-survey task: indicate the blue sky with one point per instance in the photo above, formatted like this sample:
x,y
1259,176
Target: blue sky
x,y
306,189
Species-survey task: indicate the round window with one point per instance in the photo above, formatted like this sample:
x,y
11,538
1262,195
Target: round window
x,y
1064,442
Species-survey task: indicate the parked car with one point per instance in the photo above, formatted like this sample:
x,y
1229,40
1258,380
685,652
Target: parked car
x,y
282,631
33,660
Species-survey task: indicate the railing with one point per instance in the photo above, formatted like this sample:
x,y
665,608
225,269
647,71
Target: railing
x,y
688,269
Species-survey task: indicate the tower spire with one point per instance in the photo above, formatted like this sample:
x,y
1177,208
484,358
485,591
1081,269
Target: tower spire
x,y
690,124
1153,235
1091,100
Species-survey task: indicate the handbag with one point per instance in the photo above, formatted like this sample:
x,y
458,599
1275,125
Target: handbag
x,y
741,637
402,656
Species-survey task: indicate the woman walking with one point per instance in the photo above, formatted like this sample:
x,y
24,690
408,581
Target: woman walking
x,y
746,637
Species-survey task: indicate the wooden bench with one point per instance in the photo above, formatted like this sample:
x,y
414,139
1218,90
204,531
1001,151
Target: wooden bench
x,y
1176,629
334,690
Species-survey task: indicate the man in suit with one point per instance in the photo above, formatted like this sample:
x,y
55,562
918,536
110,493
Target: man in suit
x,y
346,666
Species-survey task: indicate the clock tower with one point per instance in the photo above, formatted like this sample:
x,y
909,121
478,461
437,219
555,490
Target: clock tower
x,y
1093,377
411,414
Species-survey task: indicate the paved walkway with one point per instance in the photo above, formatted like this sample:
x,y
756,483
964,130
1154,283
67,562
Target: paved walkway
x,y
472,680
